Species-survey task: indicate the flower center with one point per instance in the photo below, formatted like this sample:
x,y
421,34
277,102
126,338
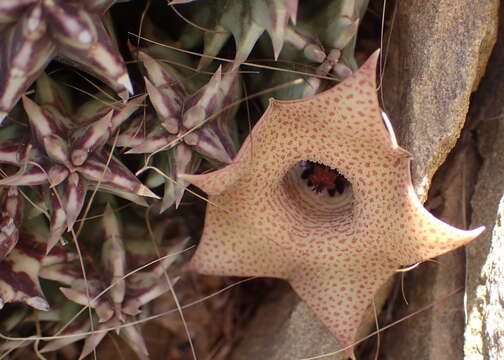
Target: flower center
x,y
321,177
317,195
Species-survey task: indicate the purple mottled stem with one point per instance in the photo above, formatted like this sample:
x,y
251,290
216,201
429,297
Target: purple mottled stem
x,y
204,102
11,152
79,326
31,175
42,124
101,59
8,236
93,136
98,6
75,194
19,272
11,10
136,132
11,204
26,50
116,175
58,219
134,338
92,341
114,256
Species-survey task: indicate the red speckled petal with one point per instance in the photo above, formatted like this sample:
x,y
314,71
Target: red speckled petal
x,y
337,250
339,296
426,236
232,246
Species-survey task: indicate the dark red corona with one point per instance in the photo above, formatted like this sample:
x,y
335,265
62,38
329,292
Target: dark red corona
x,y
320,177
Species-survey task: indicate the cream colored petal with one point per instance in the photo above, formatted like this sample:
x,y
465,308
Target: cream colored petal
x,y
230,247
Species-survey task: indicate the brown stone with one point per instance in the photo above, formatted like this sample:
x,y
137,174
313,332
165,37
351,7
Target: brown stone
x,y
436,58
286,329
484,333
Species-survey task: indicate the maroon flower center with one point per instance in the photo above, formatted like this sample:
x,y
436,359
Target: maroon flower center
x,y
316,196
320,177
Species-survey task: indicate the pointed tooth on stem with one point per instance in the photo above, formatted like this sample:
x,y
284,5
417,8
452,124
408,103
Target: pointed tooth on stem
x,y
145,191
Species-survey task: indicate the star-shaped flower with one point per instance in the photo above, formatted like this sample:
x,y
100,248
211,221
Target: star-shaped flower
x,y
265,220
66,152
33,32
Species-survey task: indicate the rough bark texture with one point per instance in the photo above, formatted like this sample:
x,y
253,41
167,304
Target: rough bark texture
x,y
437,56
484,333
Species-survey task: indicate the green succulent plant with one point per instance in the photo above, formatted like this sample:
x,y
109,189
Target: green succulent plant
x,y
77,124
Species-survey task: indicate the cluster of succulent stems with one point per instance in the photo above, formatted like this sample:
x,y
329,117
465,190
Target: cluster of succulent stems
x,y
67,154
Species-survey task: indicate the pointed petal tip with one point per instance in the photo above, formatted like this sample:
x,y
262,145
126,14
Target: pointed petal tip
x,y
372,61
179,192
474,233
125,81
146,146
375,54
224,157
463,237
177,203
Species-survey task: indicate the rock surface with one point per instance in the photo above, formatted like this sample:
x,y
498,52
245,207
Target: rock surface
x,y
285,329
437,55
484,333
